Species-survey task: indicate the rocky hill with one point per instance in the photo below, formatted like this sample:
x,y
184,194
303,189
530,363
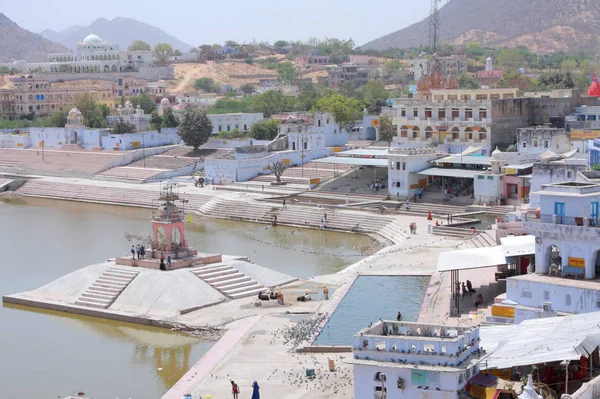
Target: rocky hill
x,y
20,44
541,25
120,31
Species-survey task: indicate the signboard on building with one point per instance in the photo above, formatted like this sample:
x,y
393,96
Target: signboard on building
x,y
510,171
577,262
503,311
425,378
375,122
503,373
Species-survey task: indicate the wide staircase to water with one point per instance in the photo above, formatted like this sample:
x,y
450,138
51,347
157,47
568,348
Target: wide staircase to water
x,y
105,290
228,280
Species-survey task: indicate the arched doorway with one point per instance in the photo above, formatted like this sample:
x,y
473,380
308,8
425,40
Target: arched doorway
x,y
554,259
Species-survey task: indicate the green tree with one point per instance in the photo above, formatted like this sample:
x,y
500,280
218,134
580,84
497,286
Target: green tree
x,y
467,82
287,72
195,127
247,88
374,91
231,43
555,80
177,53
169,119
57,119
510,58
345,109
568,66
515,80
139,45
145,102
232,135
308,97
387,131
264,130
280,43
94,113
162,53
155,120
271,102
207,85
122,127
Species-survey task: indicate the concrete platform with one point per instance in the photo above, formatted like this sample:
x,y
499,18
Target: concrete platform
x,y
147,297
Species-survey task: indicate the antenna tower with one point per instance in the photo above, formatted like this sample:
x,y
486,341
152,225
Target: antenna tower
x,y
434,25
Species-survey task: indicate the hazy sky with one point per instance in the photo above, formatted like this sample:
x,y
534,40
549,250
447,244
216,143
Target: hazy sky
x,y
200,21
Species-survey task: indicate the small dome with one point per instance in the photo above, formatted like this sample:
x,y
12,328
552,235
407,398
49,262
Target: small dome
x,y
92,39
496,153
128,104
594,89
164,101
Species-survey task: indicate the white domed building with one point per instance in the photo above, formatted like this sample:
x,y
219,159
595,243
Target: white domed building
x,y
97,55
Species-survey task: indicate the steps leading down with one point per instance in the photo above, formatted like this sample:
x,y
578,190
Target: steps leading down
x,y
105,290
228,280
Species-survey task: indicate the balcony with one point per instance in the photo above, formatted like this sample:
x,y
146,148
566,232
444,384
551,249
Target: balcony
x,y
564,220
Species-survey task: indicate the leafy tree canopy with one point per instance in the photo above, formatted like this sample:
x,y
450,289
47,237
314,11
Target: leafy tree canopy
x,y
139,45
195,127
264,130
162,53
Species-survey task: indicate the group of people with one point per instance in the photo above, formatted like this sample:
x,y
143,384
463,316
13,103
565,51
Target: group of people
x,y
413,228
162,262
376,186
268,295
323,221
138,251
467,289
235,390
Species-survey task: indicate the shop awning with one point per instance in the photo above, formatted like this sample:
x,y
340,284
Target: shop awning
x,y
365,152
518,245
465,159
473,258
354,161
448,172
545,340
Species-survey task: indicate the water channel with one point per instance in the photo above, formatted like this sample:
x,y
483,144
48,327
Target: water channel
x,y
49,354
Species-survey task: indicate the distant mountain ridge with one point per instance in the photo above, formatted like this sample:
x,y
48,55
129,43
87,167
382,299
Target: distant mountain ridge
x,y
120,31
20,44
543,26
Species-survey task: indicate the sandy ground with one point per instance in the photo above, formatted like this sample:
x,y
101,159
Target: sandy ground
x,y
186,74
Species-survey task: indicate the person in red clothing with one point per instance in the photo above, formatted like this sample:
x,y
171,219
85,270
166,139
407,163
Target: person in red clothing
x,y
235,389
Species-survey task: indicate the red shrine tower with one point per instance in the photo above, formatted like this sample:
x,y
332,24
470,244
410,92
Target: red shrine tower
x,y
594,89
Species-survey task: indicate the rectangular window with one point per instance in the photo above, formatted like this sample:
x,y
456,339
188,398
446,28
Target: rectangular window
x,y
305,145
490,177
559,208
595,210
403,112
469,136
545,143
481,97
398,165
482,136
415,134
427,112
481,177
220,128
455,114
482,113
455,136
403,133
415,112
535,143
468,113
441,113
403,165
228,128
524,144
427,135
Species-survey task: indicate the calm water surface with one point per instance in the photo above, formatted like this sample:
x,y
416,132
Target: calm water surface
x,y
47,354
372,298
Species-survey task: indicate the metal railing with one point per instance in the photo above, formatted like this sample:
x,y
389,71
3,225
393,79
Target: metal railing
x,y
564,220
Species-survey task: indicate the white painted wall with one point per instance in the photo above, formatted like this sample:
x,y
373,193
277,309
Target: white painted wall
x,y
406,175
8,140
242,121
487,188
534,294
365,384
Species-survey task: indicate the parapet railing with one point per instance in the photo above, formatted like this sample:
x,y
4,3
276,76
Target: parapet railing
x,y
564,220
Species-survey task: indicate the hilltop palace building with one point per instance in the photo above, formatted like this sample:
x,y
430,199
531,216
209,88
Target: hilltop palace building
x,y
95,57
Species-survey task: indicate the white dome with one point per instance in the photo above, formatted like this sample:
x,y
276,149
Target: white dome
x,y
165,101
92,39
496,153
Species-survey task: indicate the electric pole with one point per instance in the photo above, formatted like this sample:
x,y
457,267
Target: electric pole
x,y
434,25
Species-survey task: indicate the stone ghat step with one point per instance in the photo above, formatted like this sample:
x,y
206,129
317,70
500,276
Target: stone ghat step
x,y
208,275
165,162
94,295
226,283
97,288
245,294
239,290
119,275
89,304
106,302
210,269
99,193
226,277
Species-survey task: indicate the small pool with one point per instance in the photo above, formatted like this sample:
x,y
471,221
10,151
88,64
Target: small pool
x,y
372,298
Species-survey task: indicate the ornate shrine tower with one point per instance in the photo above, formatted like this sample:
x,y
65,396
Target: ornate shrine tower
x,y
168,225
